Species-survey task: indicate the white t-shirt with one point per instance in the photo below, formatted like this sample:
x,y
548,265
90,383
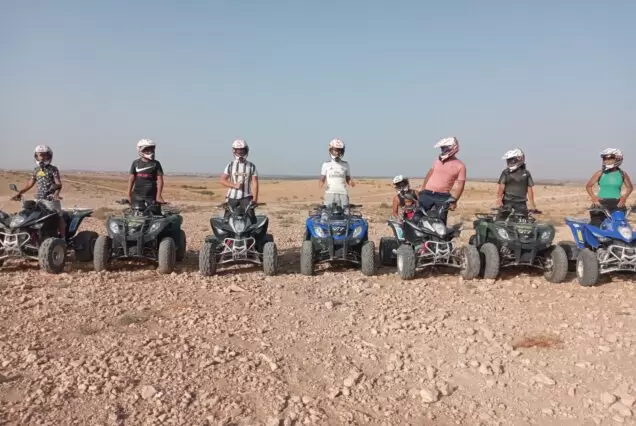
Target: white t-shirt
x,y
336,174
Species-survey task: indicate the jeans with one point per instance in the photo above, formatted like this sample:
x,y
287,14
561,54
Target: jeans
x,y
341,200
611,205
242,203
430,199
155,210
518,206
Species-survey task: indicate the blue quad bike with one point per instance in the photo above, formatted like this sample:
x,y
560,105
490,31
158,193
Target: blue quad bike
x,y
601,250
237,239
33,234
337,234
143,232
426,241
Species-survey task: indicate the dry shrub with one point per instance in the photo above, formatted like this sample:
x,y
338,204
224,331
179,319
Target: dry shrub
x,y
539,341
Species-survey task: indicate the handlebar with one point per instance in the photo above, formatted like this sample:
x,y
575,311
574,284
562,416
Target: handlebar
x,y
512,211
126,201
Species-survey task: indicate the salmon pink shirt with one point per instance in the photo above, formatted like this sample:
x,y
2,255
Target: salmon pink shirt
x,y
445,175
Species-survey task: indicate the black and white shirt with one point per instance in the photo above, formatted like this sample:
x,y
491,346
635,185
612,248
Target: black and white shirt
x,y
242,173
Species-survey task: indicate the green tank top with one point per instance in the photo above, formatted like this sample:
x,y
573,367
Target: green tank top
x,y
610,184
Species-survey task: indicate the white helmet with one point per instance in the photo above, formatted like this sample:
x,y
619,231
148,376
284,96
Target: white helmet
x,y
240,149
515,158
400,183
336,148
449,147
612,153
146,149
46,152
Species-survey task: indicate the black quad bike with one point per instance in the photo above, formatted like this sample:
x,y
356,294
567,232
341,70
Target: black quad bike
x,y
508,238
238,239
143,232
425,241
337,234
33,234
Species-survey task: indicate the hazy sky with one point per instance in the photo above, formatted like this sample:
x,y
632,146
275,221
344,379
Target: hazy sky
x,y
556,78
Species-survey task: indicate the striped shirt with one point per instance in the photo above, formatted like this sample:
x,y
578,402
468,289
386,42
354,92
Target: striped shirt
x,y
240,172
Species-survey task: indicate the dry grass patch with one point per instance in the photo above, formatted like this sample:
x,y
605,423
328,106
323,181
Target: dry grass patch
x,y
543,341
133,318
104,213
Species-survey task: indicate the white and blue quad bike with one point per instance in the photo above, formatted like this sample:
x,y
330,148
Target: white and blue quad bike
x,y
601,250
337,234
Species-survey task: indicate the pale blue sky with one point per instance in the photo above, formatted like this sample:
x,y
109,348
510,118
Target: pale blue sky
x,y
90,78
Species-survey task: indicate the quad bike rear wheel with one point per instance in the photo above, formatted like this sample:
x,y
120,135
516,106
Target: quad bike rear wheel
x,y
387,245
587,268
181,250
307,258
102,253
84,243
270,258
471,262
572,251
52,255
207,259
557,261
166,256
406,262
490,261
367,258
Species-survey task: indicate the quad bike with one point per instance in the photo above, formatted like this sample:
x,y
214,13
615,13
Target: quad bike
x,y
601,250
142,233
33,234
509,238
237,239
426,241
337,234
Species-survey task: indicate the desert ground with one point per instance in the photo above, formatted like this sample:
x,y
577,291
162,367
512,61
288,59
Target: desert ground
x,y
131,347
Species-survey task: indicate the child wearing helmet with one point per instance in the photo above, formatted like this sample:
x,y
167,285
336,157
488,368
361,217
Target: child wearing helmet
x,y
404,198
241,177
145,184
614,185
516,186
336,174
447,170
46,178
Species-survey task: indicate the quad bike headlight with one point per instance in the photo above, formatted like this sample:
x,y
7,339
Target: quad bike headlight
x,y
17,221
238,225
319,231
357,232
626,232
503,234
546,235
154,227
114,227
439,228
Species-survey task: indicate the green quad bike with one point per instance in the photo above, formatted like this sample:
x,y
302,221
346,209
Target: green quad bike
x,y
508,238
143,233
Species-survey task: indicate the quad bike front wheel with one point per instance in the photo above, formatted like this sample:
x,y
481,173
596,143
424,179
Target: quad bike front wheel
x,y
102,253
270,258
587,268
52,255
406,262
181,249
84,243
207,259
307,258
387,245
490,261
470,262
557,264
166,256
367,258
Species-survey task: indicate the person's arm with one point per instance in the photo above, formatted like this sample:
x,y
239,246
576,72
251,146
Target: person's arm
x,y
589,187
348,178
28,185
254,184
627,184
225,179
58,182
461,183
159,171
131,180
396,206
501,188
323,176
426,178
530,194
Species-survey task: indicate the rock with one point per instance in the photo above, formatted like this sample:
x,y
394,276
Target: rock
x,y
431,372
148,392
429,395
329,305
621,409
607,398
485,370
627,400
548,412
545,380
353,379
462,349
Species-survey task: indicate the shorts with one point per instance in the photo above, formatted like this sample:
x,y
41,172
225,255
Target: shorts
x,y
53,205
341,200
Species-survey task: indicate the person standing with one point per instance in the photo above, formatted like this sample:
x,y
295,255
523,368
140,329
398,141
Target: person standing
x,y
241,177
145,183
336,174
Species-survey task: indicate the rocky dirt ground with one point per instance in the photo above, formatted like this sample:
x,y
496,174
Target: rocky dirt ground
x,y
132,347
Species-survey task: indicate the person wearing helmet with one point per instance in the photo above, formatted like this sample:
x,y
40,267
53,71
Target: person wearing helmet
x,y
336,175
241,177
46,178
447,170
614,185
145,184
516,186
404,198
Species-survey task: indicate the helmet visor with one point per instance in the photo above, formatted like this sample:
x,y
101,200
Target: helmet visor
x,y
43,156
241,152
148,150
511,162
338,152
